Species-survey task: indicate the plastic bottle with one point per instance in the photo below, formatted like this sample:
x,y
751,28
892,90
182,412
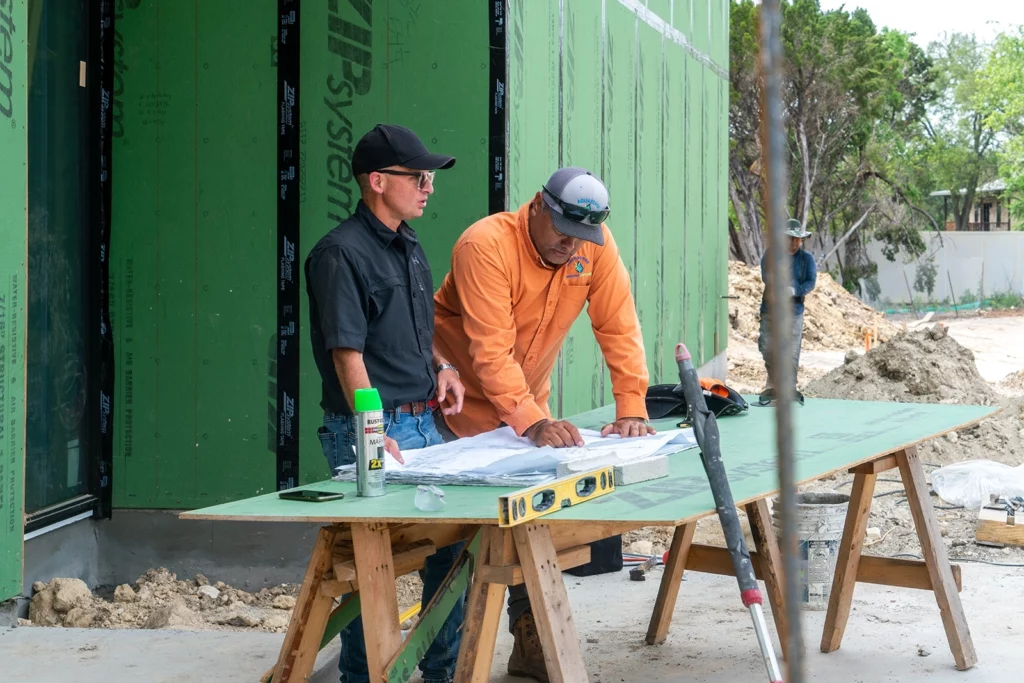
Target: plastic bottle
x,y
369,418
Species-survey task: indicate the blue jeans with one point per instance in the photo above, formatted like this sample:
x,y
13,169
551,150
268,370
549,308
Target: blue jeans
x,y
765,347
337,437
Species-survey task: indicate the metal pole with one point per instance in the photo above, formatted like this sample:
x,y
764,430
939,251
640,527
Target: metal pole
x,y
781,310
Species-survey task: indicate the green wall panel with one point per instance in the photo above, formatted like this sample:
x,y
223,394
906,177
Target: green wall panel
x,y
419,64
193,249
195,226
580,368
195,212
14,237
649,272
674,204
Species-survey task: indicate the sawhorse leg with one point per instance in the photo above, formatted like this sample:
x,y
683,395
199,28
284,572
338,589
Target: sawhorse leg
x,y
550,603
770,559
484,603
671,579
940,572
309,618
937,560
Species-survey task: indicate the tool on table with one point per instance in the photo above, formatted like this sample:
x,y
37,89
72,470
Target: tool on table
x,y
705,429
543,499
310,495
369,419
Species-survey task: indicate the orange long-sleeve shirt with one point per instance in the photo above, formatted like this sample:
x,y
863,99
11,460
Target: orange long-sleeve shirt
x,y
502,314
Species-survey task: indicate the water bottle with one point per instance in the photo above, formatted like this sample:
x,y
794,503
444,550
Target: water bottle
x,y
369,418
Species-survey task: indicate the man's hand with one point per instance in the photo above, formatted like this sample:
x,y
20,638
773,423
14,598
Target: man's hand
x,y
558,434
391,446
448,381
627,427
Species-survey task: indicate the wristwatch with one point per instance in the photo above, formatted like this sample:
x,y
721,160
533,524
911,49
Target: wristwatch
x,y
447,366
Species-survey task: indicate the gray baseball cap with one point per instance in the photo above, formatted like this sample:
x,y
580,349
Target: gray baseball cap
x,y
578,203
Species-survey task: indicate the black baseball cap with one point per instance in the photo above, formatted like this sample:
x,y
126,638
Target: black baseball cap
x,y
390,145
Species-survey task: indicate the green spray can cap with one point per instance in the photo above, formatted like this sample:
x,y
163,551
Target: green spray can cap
x,y
366,400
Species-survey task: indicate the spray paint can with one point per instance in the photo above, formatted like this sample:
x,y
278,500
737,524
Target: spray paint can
x,y
369,418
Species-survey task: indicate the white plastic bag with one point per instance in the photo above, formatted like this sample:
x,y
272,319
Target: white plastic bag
x,y
969,484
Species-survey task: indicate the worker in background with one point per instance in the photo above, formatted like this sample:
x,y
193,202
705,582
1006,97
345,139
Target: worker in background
x,y
517,283
371,316
805,276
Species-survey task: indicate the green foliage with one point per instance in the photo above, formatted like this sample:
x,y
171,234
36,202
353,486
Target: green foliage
x,y
1001,95
1006,300
924,278
960,149
854,97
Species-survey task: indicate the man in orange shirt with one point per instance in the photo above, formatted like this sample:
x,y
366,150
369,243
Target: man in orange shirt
x,y
518,281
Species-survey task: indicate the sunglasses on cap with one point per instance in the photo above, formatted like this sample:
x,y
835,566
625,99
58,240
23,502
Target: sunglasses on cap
x,y
580,214
425,177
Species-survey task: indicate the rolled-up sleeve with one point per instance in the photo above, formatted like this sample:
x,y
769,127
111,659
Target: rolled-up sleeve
x,y
617,330
486,299
342,299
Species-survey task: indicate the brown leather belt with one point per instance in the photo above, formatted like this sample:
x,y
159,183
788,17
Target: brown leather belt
x,y
416,407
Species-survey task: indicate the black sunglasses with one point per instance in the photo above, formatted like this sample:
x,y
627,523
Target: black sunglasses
x,y
580,214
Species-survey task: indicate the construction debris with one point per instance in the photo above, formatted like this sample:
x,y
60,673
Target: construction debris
x,y
158,599
919,366
834,319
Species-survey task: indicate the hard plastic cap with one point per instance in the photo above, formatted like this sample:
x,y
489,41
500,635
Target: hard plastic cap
x,y
367,399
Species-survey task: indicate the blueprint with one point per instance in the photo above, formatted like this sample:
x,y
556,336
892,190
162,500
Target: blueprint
x,y
500,458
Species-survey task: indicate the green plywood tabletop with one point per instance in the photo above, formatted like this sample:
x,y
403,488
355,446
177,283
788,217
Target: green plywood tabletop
x,y
831,435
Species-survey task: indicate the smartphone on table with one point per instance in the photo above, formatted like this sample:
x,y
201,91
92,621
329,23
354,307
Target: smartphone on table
x,y
311,495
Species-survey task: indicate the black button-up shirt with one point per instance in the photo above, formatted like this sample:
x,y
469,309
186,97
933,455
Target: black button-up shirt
x,y
370,290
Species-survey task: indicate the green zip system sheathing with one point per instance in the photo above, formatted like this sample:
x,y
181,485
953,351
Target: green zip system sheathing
x,y
13,257
638,94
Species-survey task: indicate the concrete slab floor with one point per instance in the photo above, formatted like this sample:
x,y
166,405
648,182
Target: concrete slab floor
x,y
893,635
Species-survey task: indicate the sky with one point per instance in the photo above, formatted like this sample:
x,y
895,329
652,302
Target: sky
x,y
929,19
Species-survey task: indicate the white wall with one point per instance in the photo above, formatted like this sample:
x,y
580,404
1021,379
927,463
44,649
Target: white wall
x,y
967,258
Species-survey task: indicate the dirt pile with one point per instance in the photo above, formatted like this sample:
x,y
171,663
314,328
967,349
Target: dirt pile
x,y
834,319
159,600
919,366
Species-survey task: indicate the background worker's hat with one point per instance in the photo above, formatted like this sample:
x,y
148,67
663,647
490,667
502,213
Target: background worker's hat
x,y
795,229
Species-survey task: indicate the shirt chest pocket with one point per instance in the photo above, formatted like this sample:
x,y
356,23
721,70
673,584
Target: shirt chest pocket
x,y
571,301
389,301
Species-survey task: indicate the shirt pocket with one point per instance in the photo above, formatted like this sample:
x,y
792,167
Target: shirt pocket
x,y
390,309
571,301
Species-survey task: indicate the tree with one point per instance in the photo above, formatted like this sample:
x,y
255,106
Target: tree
x,y
852,94
1001,95
961,147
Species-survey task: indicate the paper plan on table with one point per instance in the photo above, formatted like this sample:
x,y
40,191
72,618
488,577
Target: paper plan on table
x,y
500,458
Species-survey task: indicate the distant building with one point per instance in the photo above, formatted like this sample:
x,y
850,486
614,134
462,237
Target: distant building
x,y
990,210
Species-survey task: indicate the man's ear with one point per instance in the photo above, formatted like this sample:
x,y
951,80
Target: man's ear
x,y
537,205
377,182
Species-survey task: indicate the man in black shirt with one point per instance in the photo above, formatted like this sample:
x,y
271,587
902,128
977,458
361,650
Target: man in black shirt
x,y
371,307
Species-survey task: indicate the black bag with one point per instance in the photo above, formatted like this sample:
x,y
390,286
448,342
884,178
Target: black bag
x,y
605,557
664,400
